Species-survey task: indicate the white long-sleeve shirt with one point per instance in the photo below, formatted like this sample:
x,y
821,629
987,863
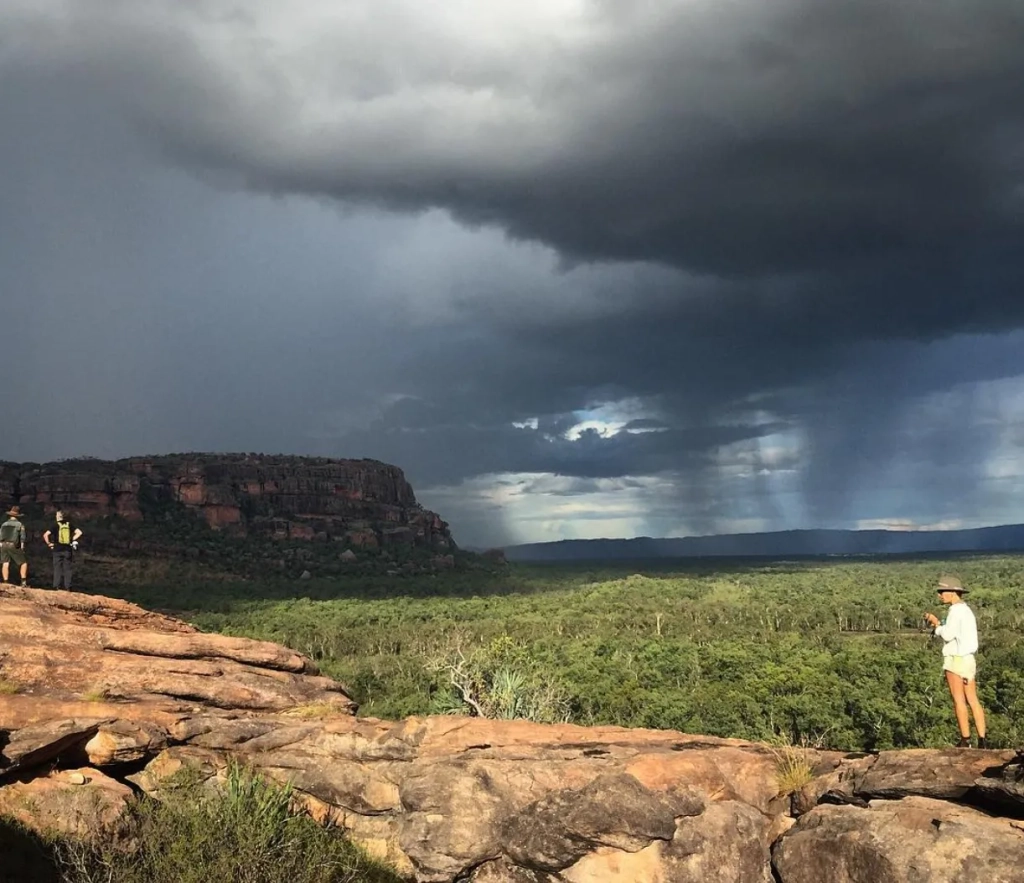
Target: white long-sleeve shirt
x,y
959,632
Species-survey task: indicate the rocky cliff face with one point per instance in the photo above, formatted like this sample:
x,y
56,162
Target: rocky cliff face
x,y
364,503
110,698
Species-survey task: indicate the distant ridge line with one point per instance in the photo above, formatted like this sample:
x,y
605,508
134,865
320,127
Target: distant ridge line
x,y
810,543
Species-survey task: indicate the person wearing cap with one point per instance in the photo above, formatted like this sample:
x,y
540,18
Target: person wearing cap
x,y
62,539
959,634
12,545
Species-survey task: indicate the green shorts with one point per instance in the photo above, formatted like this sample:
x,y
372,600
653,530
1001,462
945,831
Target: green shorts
x,y
10,552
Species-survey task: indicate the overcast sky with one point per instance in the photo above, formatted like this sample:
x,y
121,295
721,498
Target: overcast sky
x,y
580,267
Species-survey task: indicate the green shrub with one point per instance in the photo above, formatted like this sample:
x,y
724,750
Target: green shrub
x,y
496,681
243,832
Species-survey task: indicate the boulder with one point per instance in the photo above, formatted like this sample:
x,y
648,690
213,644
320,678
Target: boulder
x,y
613,810
914,840
80,802
987,779
947,774
1002,789
728,842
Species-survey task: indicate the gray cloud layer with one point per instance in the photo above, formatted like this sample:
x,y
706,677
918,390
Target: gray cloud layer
x,y
751,217
736,139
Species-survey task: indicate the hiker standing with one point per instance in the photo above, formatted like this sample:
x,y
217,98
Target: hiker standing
x,y
12,545
959,634
62,539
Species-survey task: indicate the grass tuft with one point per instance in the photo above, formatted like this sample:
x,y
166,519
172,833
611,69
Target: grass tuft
x,y
244,831
315,711
792,769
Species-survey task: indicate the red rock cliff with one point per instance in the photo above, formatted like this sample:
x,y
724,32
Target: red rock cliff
x,y
363,502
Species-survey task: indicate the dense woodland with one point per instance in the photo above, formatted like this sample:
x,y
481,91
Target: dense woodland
x,y
825,652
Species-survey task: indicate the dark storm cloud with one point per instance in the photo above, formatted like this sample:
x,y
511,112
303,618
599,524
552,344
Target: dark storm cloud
x,y
851,166
736,139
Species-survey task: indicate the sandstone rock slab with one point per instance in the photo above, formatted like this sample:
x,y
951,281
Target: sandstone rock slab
x,y
946,774
79,802
613,810
86,648
914,840
727,843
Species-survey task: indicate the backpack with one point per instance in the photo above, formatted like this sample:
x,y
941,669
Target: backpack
x,y
64,533
10,531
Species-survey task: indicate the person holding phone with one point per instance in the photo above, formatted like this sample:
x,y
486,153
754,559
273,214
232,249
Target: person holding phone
x,y
959,634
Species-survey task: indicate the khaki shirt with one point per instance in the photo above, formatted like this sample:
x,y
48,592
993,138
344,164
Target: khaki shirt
x,y
17,535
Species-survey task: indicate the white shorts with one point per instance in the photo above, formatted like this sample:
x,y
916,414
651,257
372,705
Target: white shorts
x,y
964,666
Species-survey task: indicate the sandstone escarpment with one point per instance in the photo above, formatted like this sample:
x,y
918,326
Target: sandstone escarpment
x,y
363,503
467,799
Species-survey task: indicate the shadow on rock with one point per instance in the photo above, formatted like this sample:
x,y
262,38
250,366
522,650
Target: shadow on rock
x,y
25,856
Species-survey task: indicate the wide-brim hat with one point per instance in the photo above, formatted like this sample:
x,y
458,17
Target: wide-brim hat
x,y
14,512
949,583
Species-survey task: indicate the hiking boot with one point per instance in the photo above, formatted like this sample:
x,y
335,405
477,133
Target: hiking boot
x,y
965,742
982,742
24,583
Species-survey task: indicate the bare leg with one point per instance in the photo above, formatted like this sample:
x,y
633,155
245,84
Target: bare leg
x,y
4,572
956,690
24,571
971,695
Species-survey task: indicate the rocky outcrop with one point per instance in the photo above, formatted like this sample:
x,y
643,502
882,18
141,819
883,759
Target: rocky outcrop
x,y
99,656
901,841
363,503
468,799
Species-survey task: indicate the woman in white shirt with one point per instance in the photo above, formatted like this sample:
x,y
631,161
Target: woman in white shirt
x,y
959,634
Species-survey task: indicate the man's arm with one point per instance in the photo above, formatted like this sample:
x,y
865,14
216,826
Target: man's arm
x,y
77,534
46,538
